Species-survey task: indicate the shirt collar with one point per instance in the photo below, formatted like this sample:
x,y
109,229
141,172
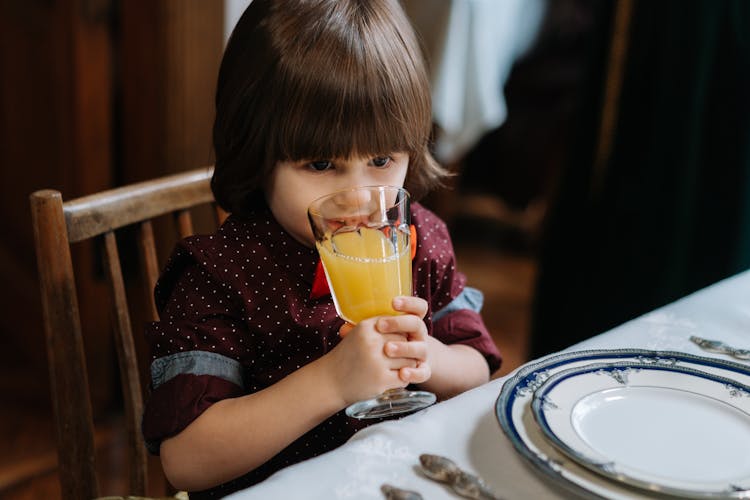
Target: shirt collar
x,y
299,260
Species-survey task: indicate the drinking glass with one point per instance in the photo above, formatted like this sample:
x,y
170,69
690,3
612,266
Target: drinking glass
x,y
363,239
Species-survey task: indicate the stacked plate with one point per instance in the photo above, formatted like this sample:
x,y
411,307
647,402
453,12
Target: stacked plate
x,y
631,423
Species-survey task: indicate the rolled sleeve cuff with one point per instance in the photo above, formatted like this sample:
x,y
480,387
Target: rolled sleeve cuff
x,y
177,402
464,326
469,298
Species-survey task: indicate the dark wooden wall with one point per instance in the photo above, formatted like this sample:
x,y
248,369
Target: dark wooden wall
x,y
93,94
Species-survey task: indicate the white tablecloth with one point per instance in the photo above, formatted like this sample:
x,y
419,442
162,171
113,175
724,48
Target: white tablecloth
x,y
465,428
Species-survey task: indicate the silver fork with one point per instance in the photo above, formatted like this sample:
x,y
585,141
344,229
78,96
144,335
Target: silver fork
x,y
720,347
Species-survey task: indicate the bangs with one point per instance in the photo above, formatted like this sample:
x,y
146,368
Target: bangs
x,y
351,94
347,125
315,80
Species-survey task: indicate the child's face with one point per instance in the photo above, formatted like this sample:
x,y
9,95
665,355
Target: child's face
x,y
295,184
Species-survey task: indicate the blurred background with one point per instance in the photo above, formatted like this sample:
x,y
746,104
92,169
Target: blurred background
x,y
601,151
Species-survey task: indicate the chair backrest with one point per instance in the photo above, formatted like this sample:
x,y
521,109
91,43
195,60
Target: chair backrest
x,y
57,225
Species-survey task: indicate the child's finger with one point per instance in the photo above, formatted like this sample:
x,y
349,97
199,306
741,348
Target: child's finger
x,y
416,375
408,324
413,350
410,305
401,363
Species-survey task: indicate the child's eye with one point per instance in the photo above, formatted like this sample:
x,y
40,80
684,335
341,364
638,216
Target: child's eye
x,y
320,165
381,161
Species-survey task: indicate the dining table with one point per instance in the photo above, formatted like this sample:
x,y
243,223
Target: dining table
x,y
467,428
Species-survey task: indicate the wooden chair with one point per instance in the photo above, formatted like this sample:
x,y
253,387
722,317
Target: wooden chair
x,y
57,225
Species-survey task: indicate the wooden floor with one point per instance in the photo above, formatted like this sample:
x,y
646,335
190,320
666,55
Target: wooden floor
x,y
27,453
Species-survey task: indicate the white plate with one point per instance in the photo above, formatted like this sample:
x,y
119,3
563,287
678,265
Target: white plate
x,y
513,411
669,429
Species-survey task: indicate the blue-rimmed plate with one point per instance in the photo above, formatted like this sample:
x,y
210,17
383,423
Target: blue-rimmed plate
x,y
669,429
513,411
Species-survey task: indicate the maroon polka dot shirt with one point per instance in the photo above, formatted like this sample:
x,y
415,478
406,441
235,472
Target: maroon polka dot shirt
x,y
237,317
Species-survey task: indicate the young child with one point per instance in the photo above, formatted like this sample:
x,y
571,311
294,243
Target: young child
x,y
251,370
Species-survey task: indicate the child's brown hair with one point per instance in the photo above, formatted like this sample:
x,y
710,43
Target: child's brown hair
x,y
319,79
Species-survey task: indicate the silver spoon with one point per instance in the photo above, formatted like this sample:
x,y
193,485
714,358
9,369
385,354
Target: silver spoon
x,y
393,493
720,347
464,484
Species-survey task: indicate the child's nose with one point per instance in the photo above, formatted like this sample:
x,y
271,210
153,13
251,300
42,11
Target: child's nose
x,y
354,201
356,206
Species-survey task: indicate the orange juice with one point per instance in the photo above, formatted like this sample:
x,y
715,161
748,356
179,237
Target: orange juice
x,y
366,270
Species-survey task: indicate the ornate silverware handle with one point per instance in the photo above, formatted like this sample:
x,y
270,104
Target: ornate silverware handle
x,y
463,483
720,347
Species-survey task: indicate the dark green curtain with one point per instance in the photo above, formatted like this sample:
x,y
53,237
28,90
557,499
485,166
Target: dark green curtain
x,y
672,213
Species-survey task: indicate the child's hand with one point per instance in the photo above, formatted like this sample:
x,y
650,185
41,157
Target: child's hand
x,y
360,367
413,344
383,353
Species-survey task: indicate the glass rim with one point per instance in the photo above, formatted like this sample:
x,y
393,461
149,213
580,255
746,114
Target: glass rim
x,y
379,187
